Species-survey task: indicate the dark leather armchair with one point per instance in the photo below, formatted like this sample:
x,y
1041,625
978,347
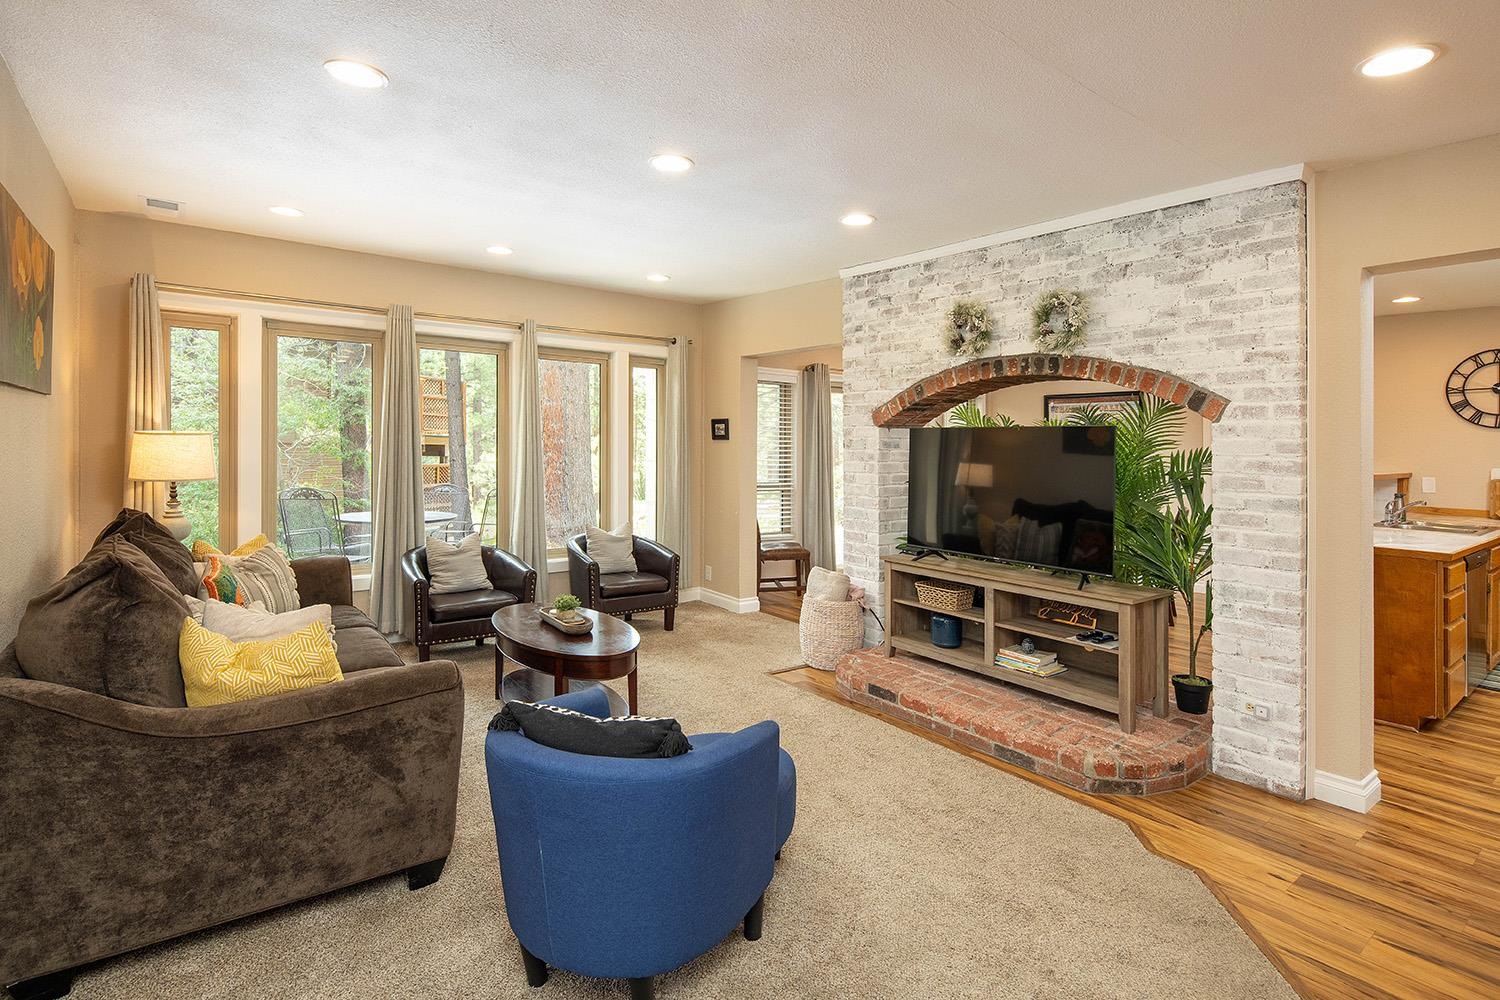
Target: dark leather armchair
x,y
433,618
653,587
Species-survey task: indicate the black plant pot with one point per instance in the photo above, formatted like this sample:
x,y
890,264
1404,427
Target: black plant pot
x,y
1192,698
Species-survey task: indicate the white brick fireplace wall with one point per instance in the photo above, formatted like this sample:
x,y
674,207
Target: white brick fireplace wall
x,y
1213,291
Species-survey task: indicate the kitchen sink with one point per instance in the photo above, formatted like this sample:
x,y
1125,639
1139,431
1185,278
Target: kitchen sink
x,y
1450,529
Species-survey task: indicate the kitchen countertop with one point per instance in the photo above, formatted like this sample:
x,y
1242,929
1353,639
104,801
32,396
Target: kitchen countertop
x,y
1437,544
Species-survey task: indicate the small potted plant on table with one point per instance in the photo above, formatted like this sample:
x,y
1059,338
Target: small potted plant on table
x,y
566,607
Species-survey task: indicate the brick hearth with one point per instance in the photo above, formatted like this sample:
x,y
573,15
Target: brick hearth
x,y
1076,746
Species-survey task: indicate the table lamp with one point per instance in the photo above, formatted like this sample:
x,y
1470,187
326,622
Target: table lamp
x,y
972,475
172,457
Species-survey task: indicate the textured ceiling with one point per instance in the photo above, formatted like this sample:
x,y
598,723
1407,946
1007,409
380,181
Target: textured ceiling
x,y
530,124
1475,285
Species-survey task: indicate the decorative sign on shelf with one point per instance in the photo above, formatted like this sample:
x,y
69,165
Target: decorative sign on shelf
x,y
1474,388
1059,322
968,331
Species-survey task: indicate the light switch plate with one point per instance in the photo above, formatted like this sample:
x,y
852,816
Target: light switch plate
x,y
1429,484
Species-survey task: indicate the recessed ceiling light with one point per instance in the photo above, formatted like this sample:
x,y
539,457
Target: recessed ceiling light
x,y
1407,299
858,219
1402,59
658,277
671,163
286,210
356,74
499,251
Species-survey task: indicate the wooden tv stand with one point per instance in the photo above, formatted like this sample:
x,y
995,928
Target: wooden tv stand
x,y
1115,680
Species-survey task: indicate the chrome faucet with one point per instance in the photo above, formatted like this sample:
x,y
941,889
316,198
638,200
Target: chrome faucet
x,y
1395,511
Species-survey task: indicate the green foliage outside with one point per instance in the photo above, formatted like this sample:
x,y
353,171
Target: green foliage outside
x,y
194,406
645,421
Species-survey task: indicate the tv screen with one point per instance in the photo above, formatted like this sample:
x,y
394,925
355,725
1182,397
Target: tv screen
x,y
1044,496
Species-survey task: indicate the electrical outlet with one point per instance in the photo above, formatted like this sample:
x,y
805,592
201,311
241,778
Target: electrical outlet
x,y
1429,484
1262,712
708,573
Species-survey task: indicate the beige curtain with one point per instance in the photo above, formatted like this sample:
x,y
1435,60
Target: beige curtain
x,y
528,516
398,471
815,463
147,404
675,529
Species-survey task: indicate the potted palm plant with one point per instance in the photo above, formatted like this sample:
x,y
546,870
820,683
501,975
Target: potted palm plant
x,y
1172,547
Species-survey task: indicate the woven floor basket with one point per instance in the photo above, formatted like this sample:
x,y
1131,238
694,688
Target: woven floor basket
x,y
945,595
828,630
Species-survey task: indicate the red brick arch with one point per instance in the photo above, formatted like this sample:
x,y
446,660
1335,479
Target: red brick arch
x,y
922,402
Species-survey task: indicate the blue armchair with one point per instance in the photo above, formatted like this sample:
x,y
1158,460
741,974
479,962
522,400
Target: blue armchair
x,y
625,869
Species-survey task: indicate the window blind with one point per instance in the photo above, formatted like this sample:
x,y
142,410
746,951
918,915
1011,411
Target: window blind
x,y
774,468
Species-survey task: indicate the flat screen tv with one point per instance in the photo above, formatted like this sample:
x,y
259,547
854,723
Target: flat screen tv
x,y
1041,496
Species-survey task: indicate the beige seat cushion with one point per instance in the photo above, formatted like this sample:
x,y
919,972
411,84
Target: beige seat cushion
x,y
454,569
614,551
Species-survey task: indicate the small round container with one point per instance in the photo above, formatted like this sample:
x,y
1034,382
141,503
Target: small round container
x,y
947,631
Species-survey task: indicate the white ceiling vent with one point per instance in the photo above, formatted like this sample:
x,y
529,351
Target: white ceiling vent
x,y
161,208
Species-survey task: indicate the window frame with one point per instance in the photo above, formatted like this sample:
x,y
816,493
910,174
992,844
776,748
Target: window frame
x,y
659,366
787,382
228,457
272,330
606,468
503,449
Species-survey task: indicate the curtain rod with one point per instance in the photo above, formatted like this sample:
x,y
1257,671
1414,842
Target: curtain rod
x,y
287,300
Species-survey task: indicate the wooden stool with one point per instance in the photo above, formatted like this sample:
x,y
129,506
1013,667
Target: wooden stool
x,y
788,551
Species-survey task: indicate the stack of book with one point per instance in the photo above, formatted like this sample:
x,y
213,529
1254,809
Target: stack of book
x,y
1038,662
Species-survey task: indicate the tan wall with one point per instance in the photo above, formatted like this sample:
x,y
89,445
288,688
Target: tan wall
x,y
38,433
792,361
113,247
735,332
1429,204
1416,430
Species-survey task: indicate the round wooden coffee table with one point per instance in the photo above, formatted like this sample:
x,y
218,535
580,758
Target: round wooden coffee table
x,y
607,652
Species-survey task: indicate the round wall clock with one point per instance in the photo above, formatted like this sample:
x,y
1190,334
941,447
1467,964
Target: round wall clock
x,y
1474,389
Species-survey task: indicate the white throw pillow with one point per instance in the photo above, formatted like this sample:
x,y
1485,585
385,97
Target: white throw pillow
x,y
827,585
455,569
248,625
613,551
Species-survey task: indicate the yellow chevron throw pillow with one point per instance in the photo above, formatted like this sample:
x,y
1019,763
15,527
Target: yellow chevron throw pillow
x,y
216,670
203,548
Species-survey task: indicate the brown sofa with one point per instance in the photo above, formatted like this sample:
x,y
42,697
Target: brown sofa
x,y
652,587
126,824
434,618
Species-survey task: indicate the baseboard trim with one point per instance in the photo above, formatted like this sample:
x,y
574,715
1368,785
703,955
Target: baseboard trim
x,y
736,605
1347,793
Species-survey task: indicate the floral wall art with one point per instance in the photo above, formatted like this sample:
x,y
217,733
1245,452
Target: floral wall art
x,y
27,282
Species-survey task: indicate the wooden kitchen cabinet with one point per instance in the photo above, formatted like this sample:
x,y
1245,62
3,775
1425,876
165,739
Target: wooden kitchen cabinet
x,y
1492,620
1421,637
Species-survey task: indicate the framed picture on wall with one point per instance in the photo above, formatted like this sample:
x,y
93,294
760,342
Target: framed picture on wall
x,y
719,428
27,280
1063,406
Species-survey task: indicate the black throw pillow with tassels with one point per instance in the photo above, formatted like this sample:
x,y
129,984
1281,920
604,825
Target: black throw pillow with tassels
x,y
565,729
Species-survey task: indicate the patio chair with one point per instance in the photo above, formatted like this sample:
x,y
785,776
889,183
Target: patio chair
x,y
450,499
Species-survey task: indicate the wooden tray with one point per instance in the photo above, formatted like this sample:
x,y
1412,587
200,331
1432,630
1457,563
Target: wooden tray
x,y
579,626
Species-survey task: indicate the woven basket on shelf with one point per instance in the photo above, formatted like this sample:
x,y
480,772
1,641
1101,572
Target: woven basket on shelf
x,y
945,595
828,630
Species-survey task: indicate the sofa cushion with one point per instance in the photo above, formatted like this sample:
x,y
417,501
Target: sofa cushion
x,y
363,647
110,626
216,670
456,569
471,604
348,616
264,575
629,584
146,533
564,729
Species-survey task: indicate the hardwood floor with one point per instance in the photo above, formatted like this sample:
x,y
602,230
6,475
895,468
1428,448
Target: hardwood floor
x,y
1401,902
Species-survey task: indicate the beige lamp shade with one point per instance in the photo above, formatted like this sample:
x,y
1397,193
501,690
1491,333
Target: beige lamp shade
x,y
171,456
976,474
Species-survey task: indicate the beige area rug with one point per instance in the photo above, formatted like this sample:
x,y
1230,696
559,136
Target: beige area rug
x,y
913,871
